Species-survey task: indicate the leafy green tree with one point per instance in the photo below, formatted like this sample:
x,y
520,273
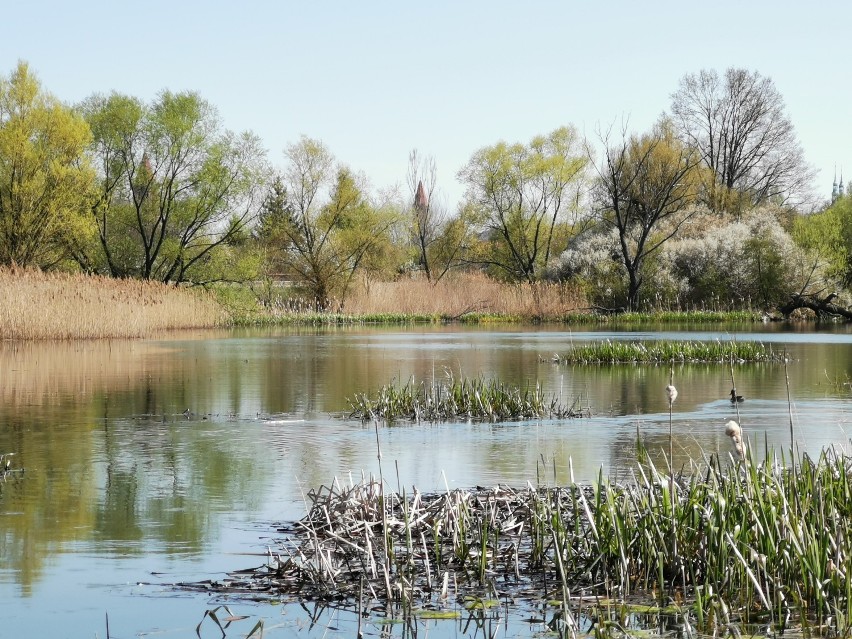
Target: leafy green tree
x,y
275,213
645,188
45,181
324,244
523,193
829,236
174,188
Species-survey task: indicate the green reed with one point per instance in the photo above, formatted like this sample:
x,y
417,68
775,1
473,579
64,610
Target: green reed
x,y
665,317
661,352
466,398
250,315
736,543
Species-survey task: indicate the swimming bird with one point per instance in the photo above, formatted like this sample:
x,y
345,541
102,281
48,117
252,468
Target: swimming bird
x,y
734,397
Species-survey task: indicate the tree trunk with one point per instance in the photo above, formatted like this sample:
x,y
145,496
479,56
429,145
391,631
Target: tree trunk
x,y
819,306
633,289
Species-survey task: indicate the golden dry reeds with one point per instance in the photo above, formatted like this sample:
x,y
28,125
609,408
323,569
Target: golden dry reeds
x,y
38,305
463,293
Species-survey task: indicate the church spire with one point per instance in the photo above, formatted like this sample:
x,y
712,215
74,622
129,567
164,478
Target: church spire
x,y
834,190
421,201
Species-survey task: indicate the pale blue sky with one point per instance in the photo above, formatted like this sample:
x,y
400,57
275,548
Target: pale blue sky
x,y
375,79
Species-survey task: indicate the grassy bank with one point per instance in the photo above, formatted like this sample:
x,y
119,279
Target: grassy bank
x,y
36,305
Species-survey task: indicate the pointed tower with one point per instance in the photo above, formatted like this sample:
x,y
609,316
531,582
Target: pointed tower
x,y
421,202
834,186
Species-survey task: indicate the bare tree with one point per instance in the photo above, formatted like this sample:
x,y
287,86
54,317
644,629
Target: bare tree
x,y
644,190
424,217
745,138
438,239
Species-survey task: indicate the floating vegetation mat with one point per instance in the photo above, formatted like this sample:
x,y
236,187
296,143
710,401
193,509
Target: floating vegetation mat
x,y
451,399
664,352
746,543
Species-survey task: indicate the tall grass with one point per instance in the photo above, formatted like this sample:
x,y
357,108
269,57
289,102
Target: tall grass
x,y
465,398
736,544
660,352
687,317
37,305
464,294
462,297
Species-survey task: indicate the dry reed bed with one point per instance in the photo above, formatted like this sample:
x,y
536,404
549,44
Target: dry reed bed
x,y
464,293
37,305
751,543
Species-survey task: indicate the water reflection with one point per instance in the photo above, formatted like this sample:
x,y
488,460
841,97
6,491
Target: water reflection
x,y
121,483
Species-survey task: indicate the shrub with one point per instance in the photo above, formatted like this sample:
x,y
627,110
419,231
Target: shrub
x,y
750,262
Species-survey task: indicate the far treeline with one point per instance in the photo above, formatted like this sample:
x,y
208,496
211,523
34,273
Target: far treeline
x,y
711,208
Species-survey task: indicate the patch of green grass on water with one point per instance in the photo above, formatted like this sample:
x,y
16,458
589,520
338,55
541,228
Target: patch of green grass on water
x,y
662,352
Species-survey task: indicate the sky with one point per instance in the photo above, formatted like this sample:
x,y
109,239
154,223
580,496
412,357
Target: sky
x,y
375,79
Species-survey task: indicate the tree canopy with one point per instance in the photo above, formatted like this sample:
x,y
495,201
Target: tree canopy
x,y
45,180
439,240
327,228
739,124
523,192
173,187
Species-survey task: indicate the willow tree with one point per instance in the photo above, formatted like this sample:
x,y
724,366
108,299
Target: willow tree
x,y
331,229
645,188
45,181
524,193
175,189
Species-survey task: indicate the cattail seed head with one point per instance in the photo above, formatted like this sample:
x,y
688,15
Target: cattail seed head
x,y
671,393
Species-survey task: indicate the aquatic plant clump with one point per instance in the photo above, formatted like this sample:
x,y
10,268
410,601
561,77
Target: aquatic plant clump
x,y
449,399
751,543
663,352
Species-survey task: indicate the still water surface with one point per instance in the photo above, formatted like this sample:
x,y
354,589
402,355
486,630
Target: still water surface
x,y
123,494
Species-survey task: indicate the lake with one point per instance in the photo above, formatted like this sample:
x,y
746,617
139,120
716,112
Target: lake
x,y
158,461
